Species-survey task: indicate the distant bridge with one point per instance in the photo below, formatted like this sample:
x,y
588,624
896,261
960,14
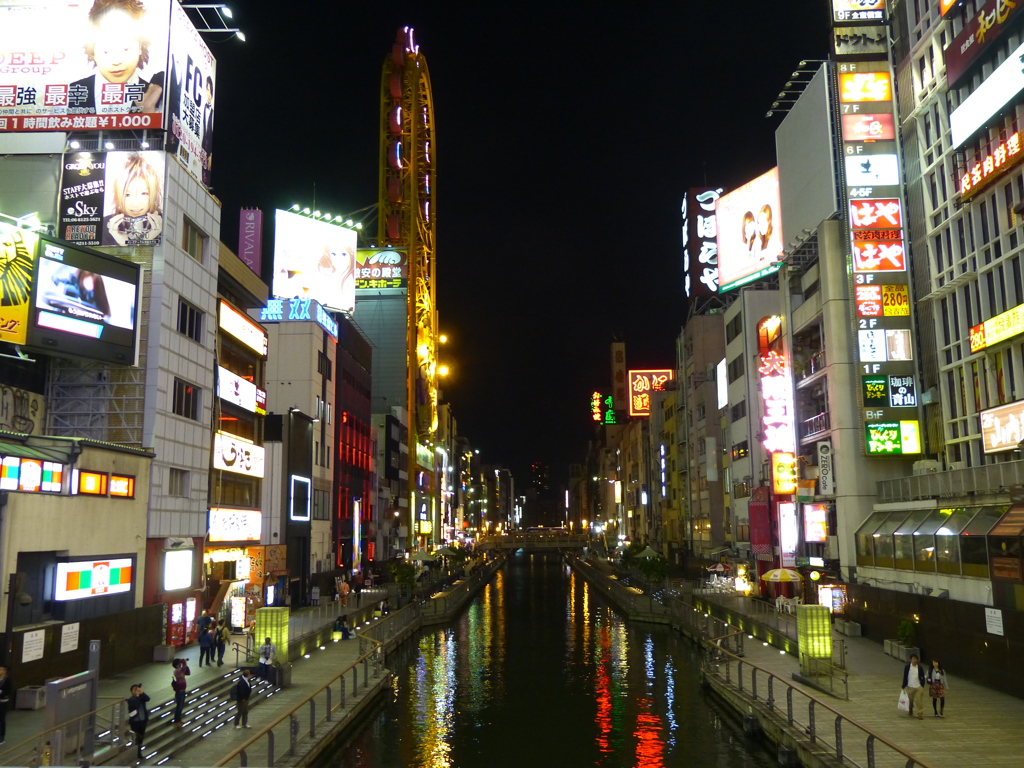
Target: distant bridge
x,y
550,541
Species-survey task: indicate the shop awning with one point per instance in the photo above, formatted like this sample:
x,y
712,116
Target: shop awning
x,y
60,455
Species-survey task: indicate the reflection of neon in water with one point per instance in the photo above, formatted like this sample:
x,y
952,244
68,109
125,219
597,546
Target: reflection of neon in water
x,y
670,702
649,746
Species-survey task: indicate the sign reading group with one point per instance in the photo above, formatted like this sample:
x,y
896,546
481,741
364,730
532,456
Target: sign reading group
x,y
108,65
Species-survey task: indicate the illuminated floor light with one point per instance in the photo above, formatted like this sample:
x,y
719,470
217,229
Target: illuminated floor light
x,y
765,644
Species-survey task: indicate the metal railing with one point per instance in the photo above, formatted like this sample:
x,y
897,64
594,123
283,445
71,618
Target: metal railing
x,y
382,632
825,675
69,744
813,720
812,426
312,717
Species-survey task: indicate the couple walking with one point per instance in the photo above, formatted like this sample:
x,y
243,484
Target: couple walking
x,y
915,678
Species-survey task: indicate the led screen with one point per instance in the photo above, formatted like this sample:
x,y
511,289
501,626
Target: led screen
x,y
75,581
85,303
749,231
314,260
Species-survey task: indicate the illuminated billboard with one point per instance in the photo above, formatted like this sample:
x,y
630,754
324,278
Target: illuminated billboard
x,y
858,10
242,328
868,127
855,42
314,260
857,87
30,475
893,438
981,30
974,112
82,66
235,454
815,523
381,268
75,581
1002,428
641,384
85,303
18,254
299,310
112,198
986,167
235,524
191,87
749,231
241,392
1003,326
700,242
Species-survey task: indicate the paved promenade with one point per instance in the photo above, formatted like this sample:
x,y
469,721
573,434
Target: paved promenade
x,y
307,675
981,726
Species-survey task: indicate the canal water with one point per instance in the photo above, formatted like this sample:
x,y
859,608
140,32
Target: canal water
x,y
539,671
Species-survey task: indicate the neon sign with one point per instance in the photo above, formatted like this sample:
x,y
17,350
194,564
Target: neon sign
x,y
996,329
893,438
865,86
30,475
784,479
641,384
776,390
1005,155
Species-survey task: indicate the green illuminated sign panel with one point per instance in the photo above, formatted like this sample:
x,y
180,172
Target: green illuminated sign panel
x,y
900,438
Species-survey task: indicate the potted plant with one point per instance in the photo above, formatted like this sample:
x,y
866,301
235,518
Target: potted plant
x,y
906,635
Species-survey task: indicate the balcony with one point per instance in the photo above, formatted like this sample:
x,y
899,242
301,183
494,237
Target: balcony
x,y
815,364
815,426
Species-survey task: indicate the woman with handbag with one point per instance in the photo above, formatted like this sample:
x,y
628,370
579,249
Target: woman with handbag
x,y
938,683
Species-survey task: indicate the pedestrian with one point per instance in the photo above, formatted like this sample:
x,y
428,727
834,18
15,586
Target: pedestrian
x,y
179,685
241,691
938,684
223,637
265,658
250,636
342,628
205,620
385,607
138,715
206,643
357,585
913,684
6,692
343,589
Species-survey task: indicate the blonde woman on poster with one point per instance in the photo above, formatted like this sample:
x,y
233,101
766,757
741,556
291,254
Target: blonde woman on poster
x,y
133,199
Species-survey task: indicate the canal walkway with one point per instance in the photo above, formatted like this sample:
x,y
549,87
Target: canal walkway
x,y
980,727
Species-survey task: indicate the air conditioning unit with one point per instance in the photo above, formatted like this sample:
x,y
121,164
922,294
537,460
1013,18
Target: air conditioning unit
x,y
927,467
955,465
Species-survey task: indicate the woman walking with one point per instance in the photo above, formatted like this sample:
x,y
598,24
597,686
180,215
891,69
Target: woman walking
x,y
179,685
938,683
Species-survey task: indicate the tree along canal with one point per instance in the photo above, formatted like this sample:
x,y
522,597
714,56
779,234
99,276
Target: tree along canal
x,y
540,671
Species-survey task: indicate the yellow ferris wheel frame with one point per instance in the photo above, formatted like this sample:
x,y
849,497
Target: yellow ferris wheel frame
x,y
406,216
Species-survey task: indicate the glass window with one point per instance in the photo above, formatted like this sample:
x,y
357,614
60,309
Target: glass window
x,y
865,542
924,541
973,545
903,539
883,536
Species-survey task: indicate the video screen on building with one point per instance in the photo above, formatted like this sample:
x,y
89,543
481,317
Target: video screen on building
x,y
749,231
314,260
83,65
85,303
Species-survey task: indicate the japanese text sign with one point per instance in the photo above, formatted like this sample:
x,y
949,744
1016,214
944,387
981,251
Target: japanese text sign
x,y
641,384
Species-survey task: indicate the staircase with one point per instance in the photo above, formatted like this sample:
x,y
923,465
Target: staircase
x,y
207,709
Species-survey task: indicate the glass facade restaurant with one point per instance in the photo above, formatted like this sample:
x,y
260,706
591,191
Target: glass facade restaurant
x,y
952,540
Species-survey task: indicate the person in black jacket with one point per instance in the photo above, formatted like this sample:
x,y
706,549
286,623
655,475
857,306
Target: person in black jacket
x,y
138,715
6,694
242,691
913,684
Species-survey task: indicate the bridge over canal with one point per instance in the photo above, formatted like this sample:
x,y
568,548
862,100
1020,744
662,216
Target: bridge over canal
x,y
535,541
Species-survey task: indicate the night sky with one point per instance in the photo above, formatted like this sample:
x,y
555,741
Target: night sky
x,y
567,134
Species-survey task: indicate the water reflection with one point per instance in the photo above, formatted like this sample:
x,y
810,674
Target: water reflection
x,y
540,671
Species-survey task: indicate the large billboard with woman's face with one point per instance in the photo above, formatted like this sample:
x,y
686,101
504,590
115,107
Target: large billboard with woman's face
x,y
749,231
67,66
314,260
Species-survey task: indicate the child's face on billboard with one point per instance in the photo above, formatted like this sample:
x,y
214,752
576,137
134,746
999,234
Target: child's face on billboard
x,y
117,48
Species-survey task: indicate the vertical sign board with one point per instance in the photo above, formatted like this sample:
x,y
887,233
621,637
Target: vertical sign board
x,y
882,308
700,243
826,469
620,387
250,238
994,621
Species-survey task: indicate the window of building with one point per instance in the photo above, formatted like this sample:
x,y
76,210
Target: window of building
x,y
735,368
321,505
740,450
733,328
178,482
323,365
193,240
186,399
190,320
739,410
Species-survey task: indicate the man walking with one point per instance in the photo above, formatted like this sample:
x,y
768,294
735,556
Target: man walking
x,y
223,638
265,657
913,684
138,715
243,690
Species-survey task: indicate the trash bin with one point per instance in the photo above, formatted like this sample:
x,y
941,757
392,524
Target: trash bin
x,y
31,697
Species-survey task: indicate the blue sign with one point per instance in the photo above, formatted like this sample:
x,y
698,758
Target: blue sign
x,y
293,310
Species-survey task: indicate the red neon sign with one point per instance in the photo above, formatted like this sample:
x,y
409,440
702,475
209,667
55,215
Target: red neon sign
x,y
1006,154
